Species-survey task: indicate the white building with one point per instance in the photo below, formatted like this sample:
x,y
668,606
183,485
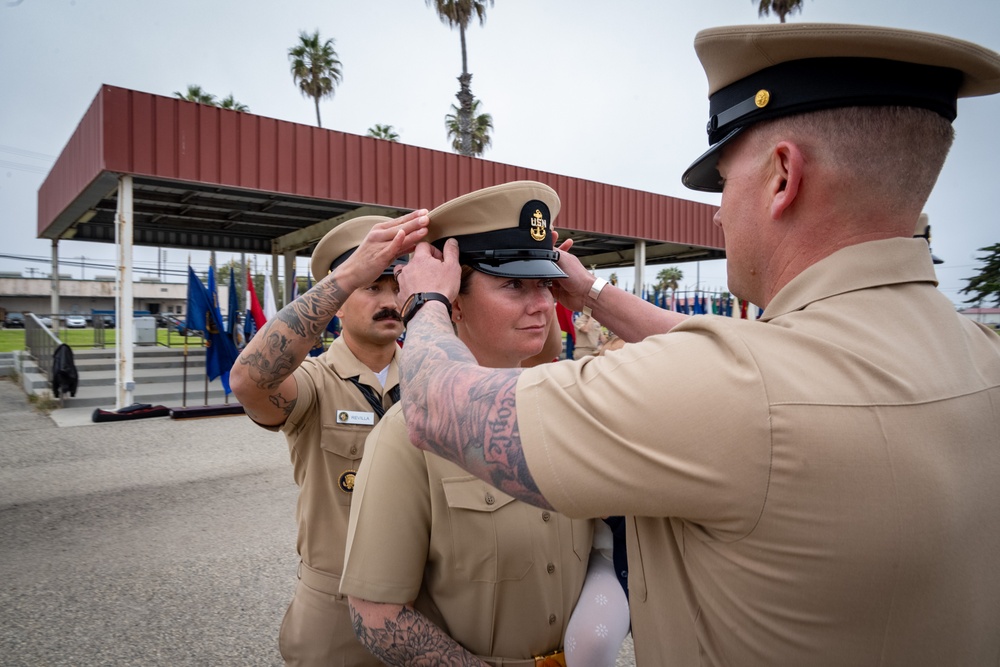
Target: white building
x,y
988,316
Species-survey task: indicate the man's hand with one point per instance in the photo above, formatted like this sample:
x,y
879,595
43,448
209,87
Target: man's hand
x,y
384,243
430,270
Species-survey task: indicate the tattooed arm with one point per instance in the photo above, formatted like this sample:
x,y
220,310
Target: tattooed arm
x,y
398,634
262,377
455,408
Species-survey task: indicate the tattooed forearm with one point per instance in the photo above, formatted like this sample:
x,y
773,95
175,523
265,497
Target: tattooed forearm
x,y
281,345
462,411
401,635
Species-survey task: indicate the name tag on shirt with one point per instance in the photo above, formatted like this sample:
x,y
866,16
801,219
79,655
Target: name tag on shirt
x,y
355,417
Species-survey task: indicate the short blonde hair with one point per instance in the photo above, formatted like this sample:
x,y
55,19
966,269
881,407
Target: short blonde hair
x,y
893,154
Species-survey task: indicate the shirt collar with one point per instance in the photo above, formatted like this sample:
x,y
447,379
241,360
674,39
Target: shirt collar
x,y
856,267
343,362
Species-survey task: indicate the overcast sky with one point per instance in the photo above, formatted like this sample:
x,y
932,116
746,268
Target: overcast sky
x,y
606,91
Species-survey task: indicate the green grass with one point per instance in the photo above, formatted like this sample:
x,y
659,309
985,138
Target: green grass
x,y
13,339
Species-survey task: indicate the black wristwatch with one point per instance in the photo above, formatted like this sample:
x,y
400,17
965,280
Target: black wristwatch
x,y
417,301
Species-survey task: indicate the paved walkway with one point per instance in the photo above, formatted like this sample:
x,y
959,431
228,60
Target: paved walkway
x,y
152,542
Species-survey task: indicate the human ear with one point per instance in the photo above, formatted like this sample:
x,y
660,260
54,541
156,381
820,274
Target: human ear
x,y
787,164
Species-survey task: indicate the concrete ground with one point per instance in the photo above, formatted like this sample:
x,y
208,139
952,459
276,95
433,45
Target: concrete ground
x,y
153,542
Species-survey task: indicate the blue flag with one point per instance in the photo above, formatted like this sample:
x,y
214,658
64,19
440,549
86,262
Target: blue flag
x,y
197,303
203,315
234,305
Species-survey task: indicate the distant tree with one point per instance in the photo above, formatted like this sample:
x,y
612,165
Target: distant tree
x,y
482,125
669,278
231,103
986,286
780,7
196,94
459,14
613,279
315,68
386,132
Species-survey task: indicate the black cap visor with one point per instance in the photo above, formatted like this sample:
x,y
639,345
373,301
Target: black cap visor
x,y
703,174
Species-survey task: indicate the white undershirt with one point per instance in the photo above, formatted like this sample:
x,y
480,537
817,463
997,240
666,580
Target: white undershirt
x,y
382,375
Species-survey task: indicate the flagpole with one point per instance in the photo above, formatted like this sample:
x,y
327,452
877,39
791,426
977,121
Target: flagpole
x,y
184,382
204,337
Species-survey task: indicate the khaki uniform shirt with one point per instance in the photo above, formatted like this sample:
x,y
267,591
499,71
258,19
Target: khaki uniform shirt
x,y
326,434
821,487
499,576
588,336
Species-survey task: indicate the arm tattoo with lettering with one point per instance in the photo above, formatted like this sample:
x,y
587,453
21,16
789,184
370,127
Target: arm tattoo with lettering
x,y
462,411
410,639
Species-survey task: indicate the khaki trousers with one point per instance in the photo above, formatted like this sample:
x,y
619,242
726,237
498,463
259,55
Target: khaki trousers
x,y
317,628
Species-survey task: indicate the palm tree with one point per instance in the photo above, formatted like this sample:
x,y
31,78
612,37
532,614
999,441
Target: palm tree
x,y
196,94
479,134
386,132
459,13
669,278
315,68
780,7
231,103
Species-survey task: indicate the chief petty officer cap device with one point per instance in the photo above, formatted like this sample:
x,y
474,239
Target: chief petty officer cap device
x,y
759,72
504,230
340,243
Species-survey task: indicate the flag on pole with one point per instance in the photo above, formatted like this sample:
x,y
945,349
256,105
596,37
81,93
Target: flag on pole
x,y
270,309
255,314
203,315
221,352
295,286
233,316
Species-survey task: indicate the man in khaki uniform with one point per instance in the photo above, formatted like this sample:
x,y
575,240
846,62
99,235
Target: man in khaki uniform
x,y
818,487
326,406
589,336
441,566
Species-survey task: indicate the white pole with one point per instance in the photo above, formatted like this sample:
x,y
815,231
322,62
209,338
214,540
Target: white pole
x,y
640,265
54,305
124,351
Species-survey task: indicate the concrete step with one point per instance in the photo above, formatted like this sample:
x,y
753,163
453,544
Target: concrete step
x,y
170,394
155,375
100,364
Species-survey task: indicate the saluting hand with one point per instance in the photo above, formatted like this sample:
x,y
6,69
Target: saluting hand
x,y
384,243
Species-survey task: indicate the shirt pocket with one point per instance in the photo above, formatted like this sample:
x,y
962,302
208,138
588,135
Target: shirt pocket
x,y
583,538
343,445
491,534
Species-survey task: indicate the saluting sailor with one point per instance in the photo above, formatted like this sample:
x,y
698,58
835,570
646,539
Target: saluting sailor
x,y
326,406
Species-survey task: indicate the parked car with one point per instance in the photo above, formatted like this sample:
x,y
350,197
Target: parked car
x,y
76,322
46,321
13,321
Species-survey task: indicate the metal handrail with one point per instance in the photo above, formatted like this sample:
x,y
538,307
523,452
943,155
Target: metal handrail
x,y
40,342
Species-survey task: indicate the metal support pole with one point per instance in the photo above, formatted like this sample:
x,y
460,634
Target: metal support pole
x,y
124,350
640,266
289,274
54,303
274,281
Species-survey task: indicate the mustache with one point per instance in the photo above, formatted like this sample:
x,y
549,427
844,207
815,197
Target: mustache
x,y
387,314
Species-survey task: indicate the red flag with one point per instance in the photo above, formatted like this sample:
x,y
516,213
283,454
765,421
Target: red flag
x,y
253,304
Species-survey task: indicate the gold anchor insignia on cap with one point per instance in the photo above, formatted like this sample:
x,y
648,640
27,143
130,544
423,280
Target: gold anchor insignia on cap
x,y
762,98
346,481
538,226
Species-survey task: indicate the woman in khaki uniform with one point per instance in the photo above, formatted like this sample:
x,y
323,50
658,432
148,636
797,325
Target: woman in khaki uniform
x,y
441,565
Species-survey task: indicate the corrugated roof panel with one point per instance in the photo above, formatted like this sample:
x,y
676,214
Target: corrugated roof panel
x,y
127,131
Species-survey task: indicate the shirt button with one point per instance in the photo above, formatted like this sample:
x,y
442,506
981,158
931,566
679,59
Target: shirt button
x,y
552,619
546,516
490,499
550,568
354,449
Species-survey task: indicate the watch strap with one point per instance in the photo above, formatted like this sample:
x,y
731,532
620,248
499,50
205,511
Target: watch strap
x,y
595,292
417,301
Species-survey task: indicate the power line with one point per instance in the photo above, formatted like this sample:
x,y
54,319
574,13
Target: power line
x,y
26,153
35,169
